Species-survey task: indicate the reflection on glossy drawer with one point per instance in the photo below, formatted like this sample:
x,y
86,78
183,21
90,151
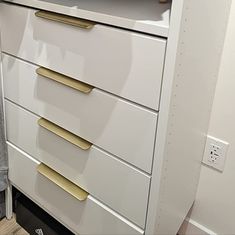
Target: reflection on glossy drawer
x,y
83,217
119,127
124,63
105,177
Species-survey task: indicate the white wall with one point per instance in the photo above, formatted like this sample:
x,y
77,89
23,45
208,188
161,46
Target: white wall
x,y
215,203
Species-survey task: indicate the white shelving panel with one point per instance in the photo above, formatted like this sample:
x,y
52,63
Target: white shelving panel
x,y
147,16
191,35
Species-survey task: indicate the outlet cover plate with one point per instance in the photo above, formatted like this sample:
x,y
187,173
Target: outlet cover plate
x,y
215,153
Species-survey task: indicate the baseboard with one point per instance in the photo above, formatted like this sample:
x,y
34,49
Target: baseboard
x,y
191,227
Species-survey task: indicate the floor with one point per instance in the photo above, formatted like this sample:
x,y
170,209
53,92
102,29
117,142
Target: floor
x,y
10,227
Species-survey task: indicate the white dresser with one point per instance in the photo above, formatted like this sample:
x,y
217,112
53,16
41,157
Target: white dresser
x,y
107,106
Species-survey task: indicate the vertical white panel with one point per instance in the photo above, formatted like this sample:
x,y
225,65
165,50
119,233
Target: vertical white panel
x,y
189,82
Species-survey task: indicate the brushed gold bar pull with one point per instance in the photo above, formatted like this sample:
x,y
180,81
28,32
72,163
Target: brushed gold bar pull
x,y
62,182
65,19
65,80
61,132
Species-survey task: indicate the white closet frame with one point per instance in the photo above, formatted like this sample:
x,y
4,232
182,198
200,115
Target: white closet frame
x,y
194,47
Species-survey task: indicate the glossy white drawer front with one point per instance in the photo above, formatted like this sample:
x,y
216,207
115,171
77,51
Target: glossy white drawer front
x,y
122,62
119,127
82,217
108,179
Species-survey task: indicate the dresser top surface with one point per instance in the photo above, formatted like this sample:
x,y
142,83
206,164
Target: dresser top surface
x,y
148,16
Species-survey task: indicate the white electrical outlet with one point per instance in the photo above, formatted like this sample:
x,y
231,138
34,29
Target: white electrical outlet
x,y
215,153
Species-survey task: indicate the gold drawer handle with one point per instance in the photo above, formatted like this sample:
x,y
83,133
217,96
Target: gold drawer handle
x,y
62,182
65,80
68,136
69,20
